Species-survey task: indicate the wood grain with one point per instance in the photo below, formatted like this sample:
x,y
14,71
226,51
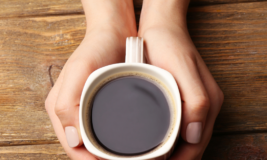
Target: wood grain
x,y
18,8
232,147
232,40
33,152
32,53
210,2
237,147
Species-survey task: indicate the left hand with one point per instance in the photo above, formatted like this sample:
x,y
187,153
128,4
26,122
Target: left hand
x,y
169,46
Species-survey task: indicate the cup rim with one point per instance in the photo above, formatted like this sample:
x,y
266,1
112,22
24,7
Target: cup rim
x,y
168,145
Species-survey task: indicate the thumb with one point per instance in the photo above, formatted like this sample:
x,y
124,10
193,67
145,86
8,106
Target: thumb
x,y
67,105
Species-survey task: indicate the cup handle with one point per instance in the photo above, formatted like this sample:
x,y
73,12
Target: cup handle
x,y
134,50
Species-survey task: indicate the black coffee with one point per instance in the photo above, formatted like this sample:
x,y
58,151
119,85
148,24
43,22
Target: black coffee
x,y
130,115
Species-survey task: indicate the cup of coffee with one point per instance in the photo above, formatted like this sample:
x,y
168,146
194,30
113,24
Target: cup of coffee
x,y
130,110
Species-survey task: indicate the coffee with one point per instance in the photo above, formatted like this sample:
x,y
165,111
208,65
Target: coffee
x,y
130,115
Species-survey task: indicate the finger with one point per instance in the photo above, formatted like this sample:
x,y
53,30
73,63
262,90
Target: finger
x,y
211,86
50,101
67,105
74,153
195,151
188,151
87,58
216,99
181,63
78,153
195,99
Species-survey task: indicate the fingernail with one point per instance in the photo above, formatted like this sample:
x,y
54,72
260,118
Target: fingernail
x,y
193,132
72,136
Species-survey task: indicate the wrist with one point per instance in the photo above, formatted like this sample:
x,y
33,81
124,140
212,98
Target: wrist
x,y
109,15
161,13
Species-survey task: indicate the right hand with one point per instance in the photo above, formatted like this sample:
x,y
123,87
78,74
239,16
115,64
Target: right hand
x,y
109,23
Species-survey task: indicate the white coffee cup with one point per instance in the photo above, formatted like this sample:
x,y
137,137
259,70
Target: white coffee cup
x,y
134,64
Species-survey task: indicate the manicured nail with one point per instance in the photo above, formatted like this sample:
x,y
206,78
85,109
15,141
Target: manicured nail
x,y
72,136
193,132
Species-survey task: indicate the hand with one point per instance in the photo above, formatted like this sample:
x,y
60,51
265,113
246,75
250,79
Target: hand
x,y
169,46
108,25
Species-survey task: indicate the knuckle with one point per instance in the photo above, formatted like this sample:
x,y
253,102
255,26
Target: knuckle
x,y
192,56
50,101
61,109
220,99
48,104
201,103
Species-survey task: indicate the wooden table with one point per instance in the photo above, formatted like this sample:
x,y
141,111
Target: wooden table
x,y
38,36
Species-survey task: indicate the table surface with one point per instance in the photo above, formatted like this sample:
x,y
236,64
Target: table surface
x,y
38,36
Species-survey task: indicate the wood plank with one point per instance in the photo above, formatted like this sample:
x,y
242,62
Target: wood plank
x,y
232,147
232,40
17,8
210,2
46,151
31,51
237,147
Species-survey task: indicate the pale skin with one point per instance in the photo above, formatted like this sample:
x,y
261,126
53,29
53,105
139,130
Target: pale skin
x,y
167,45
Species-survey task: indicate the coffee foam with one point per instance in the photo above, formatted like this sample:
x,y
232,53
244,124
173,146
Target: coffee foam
x,y
88,109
